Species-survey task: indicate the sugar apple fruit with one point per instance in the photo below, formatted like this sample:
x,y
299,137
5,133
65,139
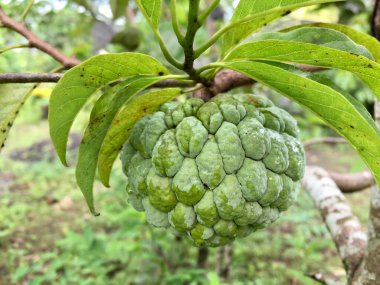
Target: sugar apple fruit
x,y
214,171
129,38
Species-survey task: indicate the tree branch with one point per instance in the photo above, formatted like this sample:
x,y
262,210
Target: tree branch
x,y
324,140
227,80
55,77
29,77
344,227
349,183
35,41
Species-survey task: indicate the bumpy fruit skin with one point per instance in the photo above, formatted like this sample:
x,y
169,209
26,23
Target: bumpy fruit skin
x,y
214,171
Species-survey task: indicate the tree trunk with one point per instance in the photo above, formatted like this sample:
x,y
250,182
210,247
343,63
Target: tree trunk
x,y
224,263
369,272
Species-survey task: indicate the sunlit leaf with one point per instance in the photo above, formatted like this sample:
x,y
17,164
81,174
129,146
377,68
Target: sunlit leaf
x,y
371,43
318,36
121,126
12,97
265,12
151,10
343,114
80,82
311,54
102,115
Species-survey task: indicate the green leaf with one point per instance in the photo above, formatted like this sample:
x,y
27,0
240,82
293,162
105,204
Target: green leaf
x,y
151,10
118,7
121,126
80,82
12,97
311,54
343,114
258,14
101,117
318,36
371,43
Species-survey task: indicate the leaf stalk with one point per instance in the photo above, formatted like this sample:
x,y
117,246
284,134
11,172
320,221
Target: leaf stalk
x,y
177,31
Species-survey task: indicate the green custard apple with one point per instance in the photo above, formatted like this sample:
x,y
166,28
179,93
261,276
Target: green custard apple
x,y
129,38
213,171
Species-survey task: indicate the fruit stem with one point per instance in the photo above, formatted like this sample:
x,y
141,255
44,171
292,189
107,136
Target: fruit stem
x,y
188,47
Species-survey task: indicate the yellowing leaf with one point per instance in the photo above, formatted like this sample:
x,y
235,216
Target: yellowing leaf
x,y
102,115
12,97
121,126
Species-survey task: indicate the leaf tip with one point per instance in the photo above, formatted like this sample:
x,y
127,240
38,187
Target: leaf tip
x,y
93,211
63,160
106,182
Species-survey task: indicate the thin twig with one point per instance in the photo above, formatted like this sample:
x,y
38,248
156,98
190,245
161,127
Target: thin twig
x,y
35,41
17,46
27,10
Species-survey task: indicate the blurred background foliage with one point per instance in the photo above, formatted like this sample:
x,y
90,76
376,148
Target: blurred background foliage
x,y
47,235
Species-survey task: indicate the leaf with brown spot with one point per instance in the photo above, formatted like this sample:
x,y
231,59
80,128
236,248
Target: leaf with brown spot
x,y
101,117
12,97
